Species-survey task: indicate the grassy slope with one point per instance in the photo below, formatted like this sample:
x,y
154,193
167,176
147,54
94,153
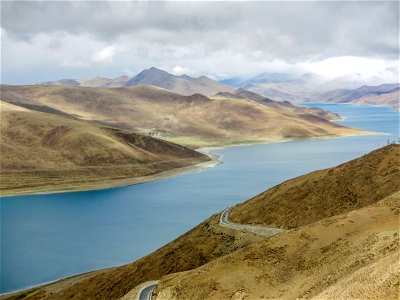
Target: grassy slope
x,y
325,193
278,263
335,257
44,152
190,120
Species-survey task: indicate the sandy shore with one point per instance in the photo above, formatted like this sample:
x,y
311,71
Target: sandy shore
x,y
115,183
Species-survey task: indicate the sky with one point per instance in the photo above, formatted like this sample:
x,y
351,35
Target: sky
x,y
49,40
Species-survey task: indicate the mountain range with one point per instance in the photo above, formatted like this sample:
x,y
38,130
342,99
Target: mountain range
x,y
296,88
384,94
310,87
193,121
184,84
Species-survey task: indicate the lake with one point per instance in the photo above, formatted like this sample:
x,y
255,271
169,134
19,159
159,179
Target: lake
x,y
47,237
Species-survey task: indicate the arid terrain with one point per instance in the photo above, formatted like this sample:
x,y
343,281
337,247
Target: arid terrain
x,y
44,152
384,94
325,193
192,121
334,252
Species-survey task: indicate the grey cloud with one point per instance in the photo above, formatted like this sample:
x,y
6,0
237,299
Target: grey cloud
x,y
289,29
226,36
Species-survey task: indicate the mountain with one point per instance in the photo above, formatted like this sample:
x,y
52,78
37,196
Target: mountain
x,y
51,152
183,84
350,252
262,78
279,105
71,82
105,82
310,87
390,98
193,121
346,95
279,95
269,78
349,256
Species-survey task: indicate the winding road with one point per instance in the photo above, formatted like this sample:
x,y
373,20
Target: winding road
x,y
257,229
146,291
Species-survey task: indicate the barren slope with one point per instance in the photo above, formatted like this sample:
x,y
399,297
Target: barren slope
x,y
336,258
189,120
45,152
325,193
391,99
280,105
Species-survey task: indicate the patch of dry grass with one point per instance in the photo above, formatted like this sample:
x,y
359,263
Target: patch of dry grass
x,y
47,152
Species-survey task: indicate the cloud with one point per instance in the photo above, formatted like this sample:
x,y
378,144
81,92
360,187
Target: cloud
x,y
83,38
351,66
70,62
105,55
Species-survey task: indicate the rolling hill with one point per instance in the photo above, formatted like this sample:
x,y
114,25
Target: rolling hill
x,y
347,252
349,256
325,193
193,121
48,152
279,105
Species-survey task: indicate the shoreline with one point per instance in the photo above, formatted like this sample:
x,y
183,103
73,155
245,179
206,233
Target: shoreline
x,y
111,184
215,159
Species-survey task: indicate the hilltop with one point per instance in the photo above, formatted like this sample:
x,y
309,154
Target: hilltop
x,y
325,193
43,151
193,121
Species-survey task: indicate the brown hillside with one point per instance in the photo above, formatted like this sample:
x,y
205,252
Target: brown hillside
x,y
280,105
335,258
189,120
392,99
45,152
321,194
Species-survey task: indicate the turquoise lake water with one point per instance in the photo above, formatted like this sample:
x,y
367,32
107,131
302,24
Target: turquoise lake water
x,y
47,237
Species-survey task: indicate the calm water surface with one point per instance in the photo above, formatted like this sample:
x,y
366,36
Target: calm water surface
x,y
46,237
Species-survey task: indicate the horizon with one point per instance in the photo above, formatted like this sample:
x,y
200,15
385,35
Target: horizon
x,y
242,79
199,38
